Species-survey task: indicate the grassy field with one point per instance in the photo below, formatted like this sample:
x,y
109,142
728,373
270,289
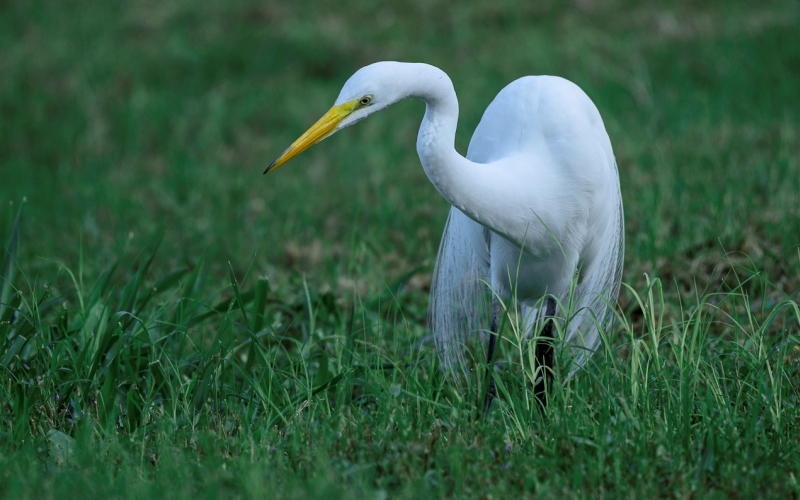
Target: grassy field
x,y
173,323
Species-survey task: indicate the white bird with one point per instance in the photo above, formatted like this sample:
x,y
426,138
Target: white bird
x,y
536,205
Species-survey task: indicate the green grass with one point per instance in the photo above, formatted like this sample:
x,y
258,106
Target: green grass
x,y
172,322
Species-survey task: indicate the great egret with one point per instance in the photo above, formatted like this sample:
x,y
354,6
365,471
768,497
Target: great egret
x,y
536,206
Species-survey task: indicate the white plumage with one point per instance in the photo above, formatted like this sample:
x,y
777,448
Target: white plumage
x,y
536,202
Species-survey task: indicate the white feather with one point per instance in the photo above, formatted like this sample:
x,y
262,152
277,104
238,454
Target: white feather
x,y
458,310
551,129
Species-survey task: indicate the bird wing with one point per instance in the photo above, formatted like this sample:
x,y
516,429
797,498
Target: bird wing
x,y
532,117
595,297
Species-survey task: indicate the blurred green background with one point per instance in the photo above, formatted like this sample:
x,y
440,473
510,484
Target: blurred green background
x,y
121,120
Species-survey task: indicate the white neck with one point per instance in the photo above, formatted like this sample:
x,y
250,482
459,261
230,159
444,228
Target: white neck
x,y
459,180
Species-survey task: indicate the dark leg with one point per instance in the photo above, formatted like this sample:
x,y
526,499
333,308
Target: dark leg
x,y
544,353
491,392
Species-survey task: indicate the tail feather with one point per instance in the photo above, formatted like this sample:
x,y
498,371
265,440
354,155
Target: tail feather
x,y
458,307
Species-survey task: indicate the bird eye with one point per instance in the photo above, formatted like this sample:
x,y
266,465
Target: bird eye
x,y
366,100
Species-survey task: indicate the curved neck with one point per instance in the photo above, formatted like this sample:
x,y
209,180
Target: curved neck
x,y
460,181
437,132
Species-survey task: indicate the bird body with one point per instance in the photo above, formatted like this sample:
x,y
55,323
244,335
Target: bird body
x,y
552,205
536,206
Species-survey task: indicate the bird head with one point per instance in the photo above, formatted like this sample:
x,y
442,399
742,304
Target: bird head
x,y
370,89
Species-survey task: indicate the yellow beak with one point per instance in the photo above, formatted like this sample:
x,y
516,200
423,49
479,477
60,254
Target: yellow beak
x,y
324,127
